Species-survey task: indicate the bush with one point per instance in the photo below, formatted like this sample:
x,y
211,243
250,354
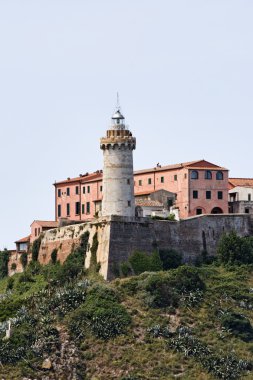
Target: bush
x,y
186,279
170,258
13,266
233,249
142,262
54,256
167,289
72,267
4,259
10,283
94,248
84,239
238,325
36,248
125,269
101,315
24,260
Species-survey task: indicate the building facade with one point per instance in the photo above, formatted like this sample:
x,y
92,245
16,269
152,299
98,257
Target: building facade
x,y
200,187
241,195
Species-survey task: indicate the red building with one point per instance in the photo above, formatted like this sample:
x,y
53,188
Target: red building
x,y
200,187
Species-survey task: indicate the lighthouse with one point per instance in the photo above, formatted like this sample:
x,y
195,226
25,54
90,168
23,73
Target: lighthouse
x,y
118,176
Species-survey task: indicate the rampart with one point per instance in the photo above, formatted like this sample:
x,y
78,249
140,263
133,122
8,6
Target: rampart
x,y
118,237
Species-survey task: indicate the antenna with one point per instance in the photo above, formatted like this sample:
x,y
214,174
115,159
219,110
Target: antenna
x,y
118,105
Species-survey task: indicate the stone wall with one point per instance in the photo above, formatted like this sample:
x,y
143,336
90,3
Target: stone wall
x,y
189,237
119,237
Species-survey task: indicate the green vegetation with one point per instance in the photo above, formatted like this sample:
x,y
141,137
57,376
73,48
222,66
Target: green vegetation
x,y
4,259
234,249
186,322
24,259
36,248
140,262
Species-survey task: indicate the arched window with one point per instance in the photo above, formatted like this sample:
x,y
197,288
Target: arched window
x,y
194,174
208,174
219,175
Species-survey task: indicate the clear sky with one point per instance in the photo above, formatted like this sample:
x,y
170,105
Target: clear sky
x,y
184,71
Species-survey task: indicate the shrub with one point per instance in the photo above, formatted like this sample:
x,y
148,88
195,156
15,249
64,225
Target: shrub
x,y
186,278
168,288
72,267
142,262
36,248
94,248
233,249
10,283
170,258
13,266
84,239
24,260
163,295
104,321
238,325
4,259
101,315
54,256
125,269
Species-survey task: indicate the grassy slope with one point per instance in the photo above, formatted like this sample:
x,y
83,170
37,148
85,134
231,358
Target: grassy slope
x,y
141,355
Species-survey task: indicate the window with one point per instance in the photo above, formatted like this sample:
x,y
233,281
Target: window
x,y
175,177
88,208
185,175
219,175
128,181
59,211
83,209
208,174
129,203
195,194
150,181
68,191
220,195
59,193
140,182
199,211
208,194
246,210
84,190
68,209
35,231
249,197
162,179
194,174
101,189
77,208
77,190
88,189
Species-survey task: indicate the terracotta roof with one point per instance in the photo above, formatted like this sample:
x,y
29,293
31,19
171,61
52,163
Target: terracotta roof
x,y
82,178
47,223
147,203
143,193
98,175
200,164
24,240
244,182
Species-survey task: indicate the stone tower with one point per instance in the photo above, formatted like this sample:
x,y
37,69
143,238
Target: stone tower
x,y
118,176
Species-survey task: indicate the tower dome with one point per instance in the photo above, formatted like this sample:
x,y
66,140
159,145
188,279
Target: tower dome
x,y
118,120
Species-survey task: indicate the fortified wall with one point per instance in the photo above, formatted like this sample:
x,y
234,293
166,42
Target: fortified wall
x,y
118,237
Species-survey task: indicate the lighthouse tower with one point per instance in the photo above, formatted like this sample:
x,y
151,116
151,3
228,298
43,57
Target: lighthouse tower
x,y
118,178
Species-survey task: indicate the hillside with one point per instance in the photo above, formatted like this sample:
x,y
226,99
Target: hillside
x,y
187,323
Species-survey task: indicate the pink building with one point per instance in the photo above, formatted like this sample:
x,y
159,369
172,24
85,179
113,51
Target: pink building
x,y
200,188
39,226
